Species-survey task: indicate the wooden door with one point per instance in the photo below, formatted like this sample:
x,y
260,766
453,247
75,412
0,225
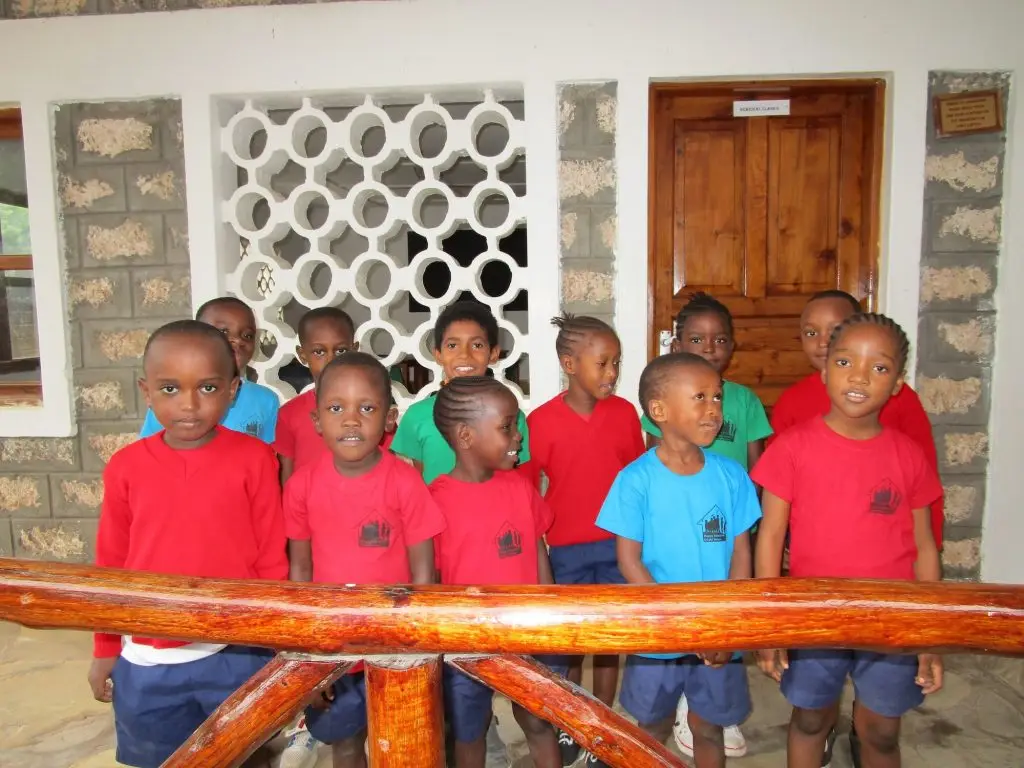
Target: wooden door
x,y
763,212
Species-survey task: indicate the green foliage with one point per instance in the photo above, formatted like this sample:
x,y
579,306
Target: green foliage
x,y
14,234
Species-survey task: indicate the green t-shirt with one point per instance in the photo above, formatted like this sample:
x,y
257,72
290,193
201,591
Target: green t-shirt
x,y
743,422
417,438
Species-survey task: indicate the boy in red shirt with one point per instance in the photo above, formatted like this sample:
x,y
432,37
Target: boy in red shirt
x,y
854,496
356,514
495,523
580,440
170,502
324,335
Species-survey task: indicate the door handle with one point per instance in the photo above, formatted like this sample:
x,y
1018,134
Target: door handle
x,y
664,342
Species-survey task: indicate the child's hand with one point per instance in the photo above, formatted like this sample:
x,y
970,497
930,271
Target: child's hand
x,y
99,679
929,672
773,663
715,658
322,699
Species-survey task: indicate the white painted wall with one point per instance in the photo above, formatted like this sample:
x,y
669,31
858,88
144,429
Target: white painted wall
x,y
202,54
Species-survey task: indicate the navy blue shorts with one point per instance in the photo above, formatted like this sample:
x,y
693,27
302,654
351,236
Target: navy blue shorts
x,y
345,716
157,708
467,702
651,689
591,563
884,683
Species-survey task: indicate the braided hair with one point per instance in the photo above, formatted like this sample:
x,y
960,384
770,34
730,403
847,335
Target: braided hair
x,y
461,400
703,304
881,321
574,329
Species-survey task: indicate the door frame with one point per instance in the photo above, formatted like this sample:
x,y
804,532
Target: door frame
x,y
875,87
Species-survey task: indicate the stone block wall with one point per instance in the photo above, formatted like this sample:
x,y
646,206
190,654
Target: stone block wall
x,y
960,251
121,188
586,197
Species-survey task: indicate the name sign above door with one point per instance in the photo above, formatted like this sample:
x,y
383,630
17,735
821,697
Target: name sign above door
x,y
760,108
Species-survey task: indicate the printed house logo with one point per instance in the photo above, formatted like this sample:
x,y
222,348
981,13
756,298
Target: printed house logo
x,y
712,526
375,532
253,428
885,499
509,541
727,432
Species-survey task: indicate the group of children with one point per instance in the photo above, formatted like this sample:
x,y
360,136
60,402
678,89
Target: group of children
x,y
468,490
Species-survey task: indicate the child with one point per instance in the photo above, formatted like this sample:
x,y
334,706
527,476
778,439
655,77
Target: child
x,y
380,532
580,440
495,523
854,495
196,499
465,344
683,514
324,335
254,409
704,327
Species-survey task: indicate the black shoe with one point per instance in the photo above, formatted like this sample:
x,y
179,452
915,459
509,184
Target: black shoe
x,y
830,742
593,762
854,748
568,749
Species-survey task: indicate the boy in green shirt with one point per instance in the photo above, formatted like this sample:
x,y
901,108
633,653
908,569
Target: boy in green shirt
x,y
465,344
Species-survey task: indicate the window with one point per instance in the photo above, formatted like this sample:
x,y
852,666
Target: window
x,y
20,382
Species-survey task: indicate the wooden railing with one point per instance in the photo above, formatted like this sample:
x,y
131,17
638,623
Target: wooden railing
x,y
403,633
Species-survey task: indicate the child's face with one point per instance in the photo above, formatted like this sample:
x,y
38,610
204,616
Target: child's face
x,y
465,351
239,325
691,405
350,415
818,321
325,340
707,335
594,368
494,437
189,385
863,371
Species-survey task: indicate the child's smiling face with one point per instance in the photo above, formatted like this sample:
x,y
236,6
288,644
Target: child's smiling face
x,y
464,350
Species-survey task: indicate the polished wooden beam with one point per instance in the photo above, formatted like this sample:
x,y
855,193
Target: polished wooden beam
x,y
405,713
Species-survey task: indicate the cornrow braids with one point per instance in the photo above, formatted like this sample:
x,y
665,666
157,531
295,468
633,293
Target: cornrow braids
x,y
833,293
460,402
882,321
574,329
702,304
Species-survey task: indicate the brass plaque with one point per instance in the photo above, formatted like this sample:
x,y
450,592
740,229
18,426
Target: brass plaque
x,y
957,114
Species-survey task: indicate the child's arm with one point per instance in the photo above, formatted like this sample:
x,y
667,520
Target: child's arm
x,y
742,564
544,574
268,521
771,540
421,562
754,450
928,568
629,553
406,443
300,560
287,468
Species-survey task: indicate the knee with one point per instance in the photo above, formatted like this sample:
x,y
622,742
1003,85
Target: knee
x,y
812,722
532,725
881,735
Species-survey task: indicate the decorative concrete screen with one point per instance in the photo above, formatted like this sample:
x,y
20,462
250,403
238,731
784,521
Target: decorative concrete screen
x,y
388,208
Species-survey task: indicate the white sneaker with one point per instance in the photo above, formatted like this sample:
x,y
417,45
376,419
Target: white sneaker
x,y
735,744
301,751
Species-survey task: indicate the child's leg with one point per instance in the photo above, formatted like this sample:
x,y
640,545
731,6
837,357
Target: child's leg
x,y
606,571
813,684
885,690
606,678
342,724
708,742
718,697
350,752
650,691
468,710
540,736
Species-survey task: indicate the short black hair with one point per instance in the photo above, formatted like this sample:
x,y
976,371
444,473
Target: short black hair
x,y
193,329
574,329
461,400
324,313
702,303
659,371
225,301
362,361
474,311
834,293
882,321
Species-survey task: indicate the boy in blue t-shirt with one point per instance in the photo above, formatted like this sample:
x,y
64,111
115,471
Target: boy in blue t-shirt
x,y
682,514
254,409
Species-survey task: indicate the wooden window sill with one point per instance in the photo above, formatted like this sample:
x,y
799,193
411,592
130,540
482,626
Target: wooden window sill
x,y
21,395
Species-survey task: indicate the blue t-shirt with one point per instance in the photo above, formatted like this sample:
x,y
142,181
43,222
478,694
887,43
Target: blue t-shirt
x,y
686,523
254,412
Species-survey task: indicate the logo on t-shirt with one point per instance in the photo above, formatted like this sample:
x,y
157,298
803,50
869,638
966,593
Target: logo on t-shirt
x,y
375,532
885,498
253,428
727,432
713,526
509,541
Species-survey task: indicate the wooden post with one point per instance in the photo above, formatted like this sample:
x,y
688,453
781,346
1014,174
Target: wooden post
x,y
405,713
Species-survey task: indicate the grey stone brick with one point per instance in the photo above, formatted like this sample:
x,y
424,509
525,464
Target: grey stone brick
x,y
978,173
955,393
63,144
115,343
959,282
72,249
961,553
570,117
116,132
92,190
575,231
966,226
6,541
156,186
962,450
176,235
70,540
964,501
162,292
76,495
172,133
136,239
587,177
603,232
102,439
106,393
75,342
39,454
24,495
99,293
599,110
956,337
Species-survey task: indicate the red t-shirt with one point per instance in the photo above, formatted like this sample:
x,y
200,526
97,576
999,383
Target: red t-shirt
x,y
212,512
850,500
492,529
296,438
808,398
360,527
581,457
